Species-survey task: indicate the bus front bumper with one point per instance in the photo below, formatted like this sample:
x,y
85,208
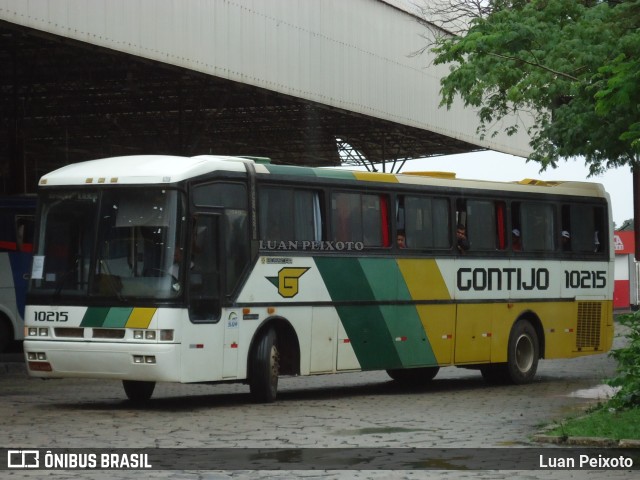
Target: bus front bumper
x,y
123,361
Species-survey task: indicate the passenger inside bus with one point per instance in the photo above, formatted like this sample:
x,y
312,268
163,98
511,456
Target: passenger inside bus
x,y
516,243
401,239
463,242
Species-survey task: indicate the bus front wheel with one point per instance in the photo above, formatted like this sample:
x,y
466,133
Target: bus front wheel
x,y
138,391
265,368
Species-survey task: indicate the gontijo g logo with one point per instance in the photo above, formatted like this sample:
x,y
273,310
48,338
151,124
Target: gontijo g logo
x,y
288,280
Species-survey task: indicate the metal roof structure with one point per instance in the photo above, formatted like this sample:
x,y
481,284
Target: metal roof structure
x,y
304,83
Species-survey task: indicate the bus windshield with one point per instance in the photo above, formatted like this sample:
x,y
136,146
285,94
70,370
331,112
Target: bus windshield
x,y
109,243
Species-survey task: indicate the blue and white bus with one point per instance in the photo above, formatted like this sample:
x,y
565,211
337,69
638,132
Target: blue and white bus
x,y
16,235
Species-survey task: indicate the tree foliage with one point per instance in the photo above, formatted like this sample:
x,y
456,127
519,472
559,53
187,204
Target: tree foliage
x,y
571,64
628,372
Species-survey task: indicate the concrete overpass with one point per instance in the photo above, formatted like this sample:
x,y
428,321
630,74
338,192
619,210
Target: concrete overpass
x,y
319,82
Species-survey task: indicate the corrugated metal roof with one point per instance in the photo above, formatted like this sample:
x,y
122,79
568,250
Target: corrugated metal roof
x,y
269,71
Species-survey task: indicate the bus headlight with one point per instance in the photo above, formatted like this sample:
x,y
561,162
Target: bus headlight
x,y
32,332
138,334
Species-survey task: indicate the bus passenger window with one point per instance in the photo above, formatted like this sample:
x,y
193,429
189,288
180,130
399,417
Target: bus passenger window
x,y
290,215
586,222
538,227
516,229
481,224
362,218
426,222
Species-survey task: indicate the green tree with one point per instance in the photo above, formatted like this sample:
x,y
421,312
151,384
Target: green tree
x,y
571,64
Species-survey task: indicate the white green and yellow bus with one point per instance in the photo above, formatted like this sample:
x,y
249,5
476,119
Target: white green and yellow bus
x,y
217,269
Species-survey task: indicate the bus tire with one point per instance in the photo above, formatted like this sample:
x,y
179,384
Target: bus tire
x,y
413,376
138,391
522,358
265,368
523,353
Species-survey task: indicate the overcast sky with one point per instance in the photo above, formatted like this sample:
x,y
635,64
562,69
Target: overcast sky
x,y
502,167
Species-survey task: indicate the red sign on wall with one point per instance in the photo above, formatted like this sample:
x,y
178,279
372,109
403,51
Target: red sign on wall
x,y
624,242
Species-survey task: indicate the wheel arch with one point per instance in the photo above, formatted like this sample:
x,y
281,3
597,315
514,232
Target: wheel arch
x,y
531,317
286,341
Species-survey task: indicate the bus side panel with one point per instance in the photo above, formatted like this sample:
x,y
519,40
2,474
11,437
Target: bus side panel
x,y
438,322
424,283
202,353
324,332
473,333
373,303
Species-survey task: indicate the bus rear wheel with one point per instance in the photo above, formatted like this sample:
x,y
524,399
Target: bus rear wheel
x,y
522,357
523,354
413,376
265,368
138,391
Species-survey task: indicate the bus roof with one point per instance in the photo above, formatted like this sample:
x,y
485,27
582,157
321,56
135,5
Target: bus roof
x,y
140,169
167,169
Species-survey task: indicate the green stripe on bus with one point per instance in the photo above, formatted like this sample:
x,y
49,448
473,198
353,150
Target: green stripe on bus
x,y
382,336
364,324
94,316
288,170
402,321
369,337
117,317
335,173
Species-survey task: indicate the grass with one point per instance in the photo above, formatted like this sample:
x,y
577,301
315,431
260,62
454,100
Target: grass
x,y
615,425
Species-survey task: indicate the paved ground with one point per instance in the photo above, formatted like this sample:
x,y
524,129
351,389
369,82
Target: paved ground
x,y
336,411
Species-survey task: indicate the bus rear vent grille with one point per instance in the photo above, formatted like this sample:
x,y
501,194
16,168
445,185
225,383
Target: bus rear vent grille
x,y
589,320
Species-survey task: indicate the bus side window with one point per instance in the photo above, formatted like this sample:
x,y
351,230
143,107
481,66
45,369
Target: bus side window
x,y
427,222
290,215
538,226
586,224
481,224
516,228
357,217
565,232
